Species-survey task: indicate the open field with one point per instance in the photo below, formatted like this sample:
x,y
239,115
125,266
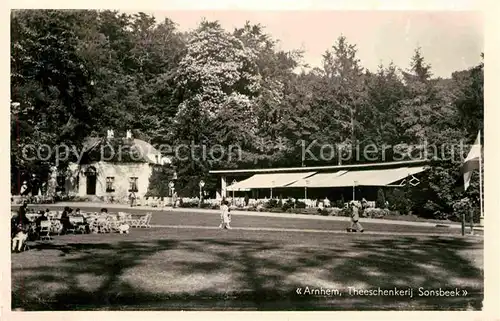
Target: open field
x,y
204,268
187,217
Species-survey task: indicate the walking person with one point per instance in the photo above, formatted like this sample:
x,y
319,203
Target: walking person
x,y
225,215
132,199
355,225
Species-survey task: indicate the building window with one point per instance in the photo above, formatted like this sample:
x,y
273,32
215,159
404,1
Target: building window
x,y
109,184
133,184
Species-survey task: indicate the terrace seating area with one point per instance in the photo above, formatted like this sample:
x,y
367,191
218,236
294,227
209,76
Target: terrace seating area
x,y
52,224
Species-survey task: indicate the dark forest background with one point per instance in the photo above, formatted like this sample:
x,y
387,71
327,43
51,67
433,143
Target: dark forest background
x,y
77,73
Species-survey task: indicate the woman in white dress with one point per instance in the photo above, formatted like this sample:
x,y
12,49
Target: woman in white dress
x,y
225,216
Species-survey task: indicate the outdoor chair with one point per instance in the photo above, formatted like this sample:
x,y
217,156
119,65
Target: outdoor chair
x,y
45,228
144,221
55,226
104,225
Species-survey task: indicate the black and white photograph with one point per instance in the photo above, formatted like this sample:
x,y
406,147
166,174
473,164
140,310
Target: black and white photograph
x,y
247,160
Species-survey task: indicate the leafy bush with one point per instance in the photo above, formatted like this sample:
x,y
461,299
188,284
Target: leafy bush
x,y
380,203
336,211
76,198
376,212
345,211
188,204
289,204
272,203
399,201
305,211
340,203
206,205
462,207
300,204
324,211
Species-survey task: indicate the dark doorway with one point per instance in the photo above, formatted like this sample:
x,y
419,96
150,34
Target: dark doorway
x,y
91,180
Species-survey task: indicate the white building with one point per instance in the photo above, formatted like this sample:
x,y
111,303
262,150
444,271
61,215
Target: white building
x,y
110,175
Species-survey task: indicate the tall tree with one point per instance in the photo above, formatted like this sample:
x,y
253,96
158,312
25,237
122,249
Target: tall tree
x,y
50,82
341,96
217,83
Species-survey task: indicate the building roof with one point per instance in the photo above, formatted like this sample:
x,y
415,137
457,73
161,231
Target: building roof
x,y
235,172
342,178
146,152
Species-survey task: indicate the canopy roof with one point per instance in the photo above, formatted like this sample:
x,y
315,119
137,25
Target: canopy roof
x,y
343,178
276,180
376,177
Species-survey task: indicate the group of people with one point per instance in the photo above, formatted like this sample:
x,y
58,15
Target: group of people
x,y
23,229
354,209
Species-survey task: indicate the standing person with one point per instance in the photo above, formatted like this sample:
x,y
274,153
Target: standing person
x,y
355,226
132,199
225,216
364,206
174,199
24,190
65,220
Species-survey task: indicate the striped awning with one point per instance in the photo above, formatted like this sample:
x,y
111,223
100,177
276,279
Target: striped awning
x,y
277,180
379,177
318,180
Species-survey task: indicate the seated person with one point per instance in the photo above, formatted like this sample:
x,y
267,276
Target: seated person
x,y
66,224
42,217
84,225
19,239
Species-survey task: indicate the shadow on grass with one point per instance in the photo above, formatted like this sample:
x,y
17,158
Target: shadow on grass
x,y
261,273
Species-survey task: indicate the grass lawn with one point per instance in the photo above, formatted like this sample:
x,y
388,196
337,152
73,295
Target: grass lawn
x,y
202,269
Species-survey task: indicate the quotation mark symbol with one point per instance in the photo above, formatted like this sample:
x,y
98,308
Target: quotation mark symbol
x,y
299,291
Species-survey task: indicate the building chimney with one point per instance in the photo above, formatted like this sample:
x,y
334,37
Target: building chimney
x,y
111,134
129,134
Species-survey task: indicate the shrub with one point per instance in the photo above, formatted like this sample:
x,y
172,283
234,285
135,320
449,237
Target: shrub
x,y
380,203
340,203
324,211
376,212
462,207
300,204
272,203
345,211
336,211
306,211
289,204
206,205
188,204
399,201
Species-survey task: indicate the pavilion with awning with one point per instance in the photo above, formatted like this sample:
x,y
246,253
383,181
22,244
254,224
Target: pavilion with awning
x,y
377,177
268,181
392,174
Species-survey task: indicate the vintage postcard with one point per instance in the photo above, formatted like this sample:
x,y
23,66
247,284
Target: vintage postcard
x,y
233,159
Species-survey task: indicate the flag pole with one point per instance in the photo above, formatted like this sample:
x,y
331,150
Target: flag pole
x,y
481,219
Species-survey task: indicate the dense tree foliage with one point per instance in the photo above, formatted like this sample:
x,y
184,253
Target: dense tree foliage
x,y
77,73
